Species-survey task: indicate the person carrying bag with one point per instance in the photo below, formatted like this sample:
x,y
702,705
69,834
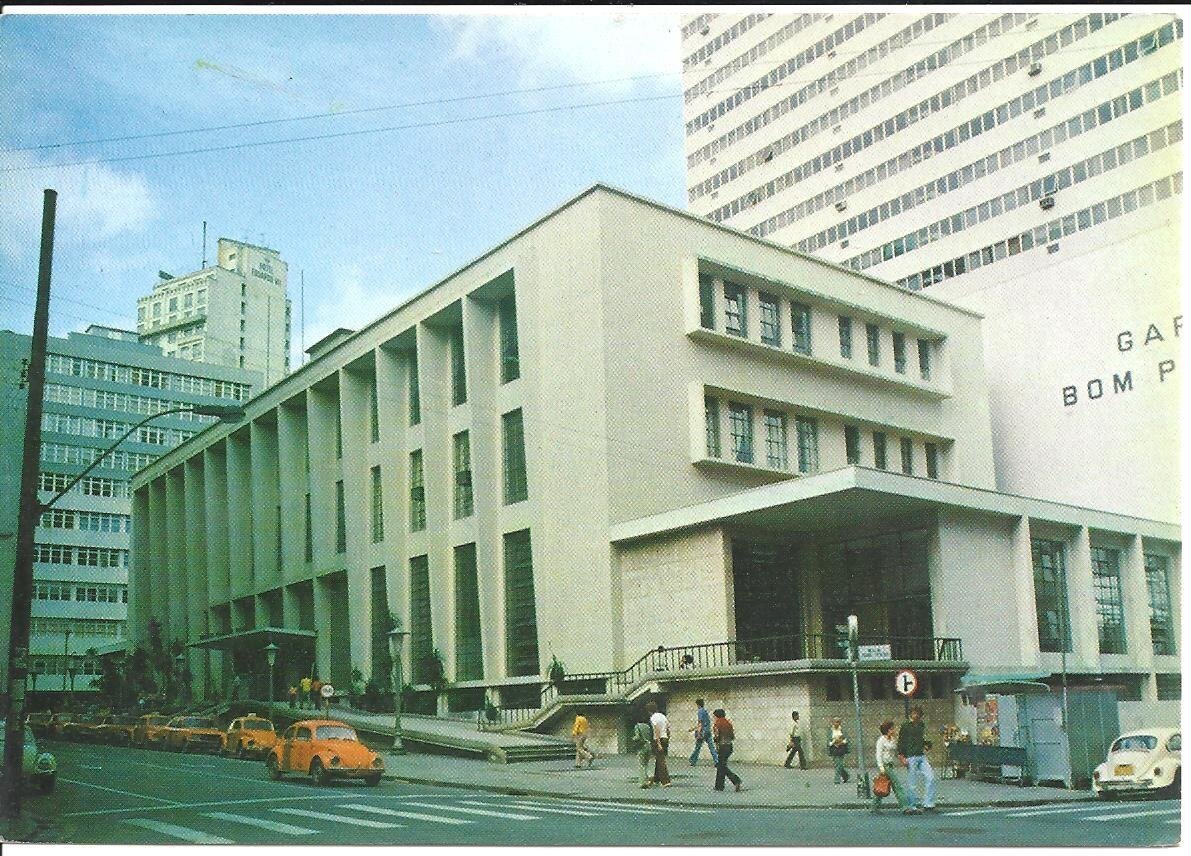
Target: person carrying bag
x,y
837,748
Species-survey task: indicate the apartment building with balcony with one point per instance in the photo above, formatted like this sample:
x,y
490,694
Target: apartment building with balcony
x,y
1025,164
624,436
97,384
235,313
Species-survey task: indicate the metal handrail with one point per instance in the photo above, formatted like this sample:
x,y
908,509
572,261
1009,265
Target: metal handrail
x,y
807,646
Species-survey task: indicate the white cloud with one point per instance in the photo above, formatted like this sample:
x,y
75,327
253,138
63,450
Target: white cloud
x,y
95,203
351,301
560,48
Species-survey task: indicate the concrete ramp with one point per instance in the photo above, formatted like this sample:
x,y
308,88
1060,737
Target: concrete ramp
x,y
439,735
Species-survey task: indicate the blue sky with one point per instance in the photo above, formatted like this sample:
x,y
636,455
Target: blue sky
x,y
371,218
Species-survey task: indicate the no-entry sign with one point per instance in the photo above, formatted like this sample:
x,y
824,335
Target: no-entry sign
x,y
906,683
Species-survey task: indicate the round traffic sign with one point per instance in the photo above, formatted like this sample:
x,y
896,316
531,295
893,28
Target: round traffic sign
x,y
327,691
906,683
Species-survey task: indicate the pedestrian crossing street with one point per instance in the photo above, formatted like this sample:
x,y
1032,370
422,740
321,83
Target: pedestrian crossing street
x,y
379,813
1151,811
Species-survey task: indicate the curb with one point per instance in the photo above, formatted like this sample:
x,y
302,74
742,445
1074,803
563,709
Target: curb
x,y
509,790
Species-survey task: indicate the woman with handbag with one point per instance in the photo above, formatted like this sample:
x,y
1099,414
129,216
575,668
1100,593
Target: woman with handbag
x,y
888,778
837,748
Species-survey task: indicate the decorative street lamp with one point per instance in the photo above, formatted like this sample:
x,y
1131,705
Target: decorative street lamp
x,y
853,656
396,638
271,655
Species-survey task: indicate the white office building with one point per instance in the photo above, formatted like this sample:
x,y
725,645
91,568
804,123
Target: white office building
x,y
1028,165
235,313
627,427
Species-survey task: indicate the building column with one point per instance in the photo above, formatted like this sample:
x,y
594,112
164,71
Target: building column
x,y
266,498
215,501
434,364
1081,599
1139,643
324,626
355,409
241,513
1021,573
195,527
291,471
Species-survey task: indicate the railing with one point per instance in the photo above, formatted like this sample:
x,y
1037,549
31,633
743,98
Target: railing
x,y
726,654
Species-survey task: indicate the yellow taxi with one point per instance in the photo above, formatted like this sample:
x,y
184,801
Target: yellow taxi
x,y
324,749
193,734
149,732
249,736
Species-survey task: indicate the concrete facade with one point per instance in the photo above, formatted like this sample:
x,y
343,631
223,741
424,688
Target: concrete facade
x,y
235,313
97,384
656,504
1026,165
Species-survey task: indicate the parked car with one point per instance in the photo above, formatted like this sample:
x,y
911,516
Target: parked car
x,y
37,768
193,734
1144,761
149,732
81,728
324,749
249,736
116,729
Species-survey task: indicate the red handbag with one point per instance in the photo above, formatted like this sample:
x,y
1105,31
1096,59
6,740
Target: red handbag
x,y
882,785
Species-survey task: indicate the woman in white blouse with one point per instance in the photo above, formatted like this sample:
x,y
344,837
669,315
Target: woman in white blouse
x,y
889,764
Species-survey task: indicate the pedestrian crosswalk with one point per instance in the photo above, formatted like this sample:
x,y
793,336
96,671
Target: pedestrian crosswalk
x,y
1084,810
252,824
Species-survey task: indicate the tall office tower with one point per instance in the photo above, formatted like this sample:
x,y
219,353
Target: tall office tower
x,y
1025,165
233,314
98,384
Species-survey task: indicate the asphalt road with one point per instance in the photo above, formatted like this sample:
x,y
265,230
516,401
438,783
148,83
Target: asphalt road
x,y
111,795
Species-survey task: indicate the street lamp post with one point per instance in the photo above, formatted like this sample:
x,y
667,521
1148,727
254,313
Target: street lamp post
x,y
179,676
271,655
853,655
70,670
396,637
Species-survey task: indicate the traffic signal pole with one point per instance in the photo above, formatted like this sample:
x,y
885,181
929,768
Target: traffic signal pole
x,y
22,577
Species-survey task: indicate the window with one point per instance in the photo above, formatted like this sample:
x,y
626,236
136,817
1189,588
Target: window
x,y
845,337
417,493
740,417
309,531
1110,614
852,444
510,357
521,627
807,430
800,321
469,657
1050,595
907,456
415,396
1170,687
874,344
771,326
373,413
711,420
735,310
464,504
1161,617
879,450
924,358
706,302
899,353
458,369
340,519
776,455
516,484
378,508
421,638
932,461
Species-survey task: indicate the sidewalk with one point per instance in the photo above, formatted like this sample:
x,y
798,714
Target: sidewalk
x,y
615,778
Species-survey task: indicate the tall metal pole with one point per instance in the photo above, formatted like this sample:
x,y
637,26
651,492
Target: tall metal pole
x,y
22,577
65,654
853,654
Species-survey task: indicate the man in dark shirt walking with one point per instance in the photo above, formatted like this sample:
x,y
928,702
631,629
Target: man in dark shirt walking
x,y
911,748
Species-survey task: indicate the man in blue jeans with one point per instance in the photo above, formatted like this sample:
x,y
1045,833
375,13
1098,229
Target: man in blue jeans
x,y
702,733
911,747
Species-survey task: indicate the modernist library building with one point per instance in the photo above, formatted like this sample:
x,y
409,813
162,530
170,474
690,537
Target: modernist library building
x,y
630,435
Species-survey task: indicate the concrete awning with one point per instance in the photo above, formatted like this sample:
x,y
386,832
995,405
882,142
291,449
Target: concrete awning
x,y
257,638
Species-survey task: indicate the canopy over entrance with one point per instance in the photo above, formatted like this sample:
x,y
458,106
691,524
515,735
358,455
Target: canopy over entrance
x,y
257,638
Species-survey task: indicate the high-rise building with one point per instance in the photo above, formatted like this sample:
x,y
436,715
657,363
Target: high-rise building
x,y
98,384
235,313
1026,165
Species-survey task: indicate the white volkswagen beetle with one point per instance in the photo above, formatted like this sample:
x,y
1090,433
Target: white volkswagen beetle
x,y
1141,762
